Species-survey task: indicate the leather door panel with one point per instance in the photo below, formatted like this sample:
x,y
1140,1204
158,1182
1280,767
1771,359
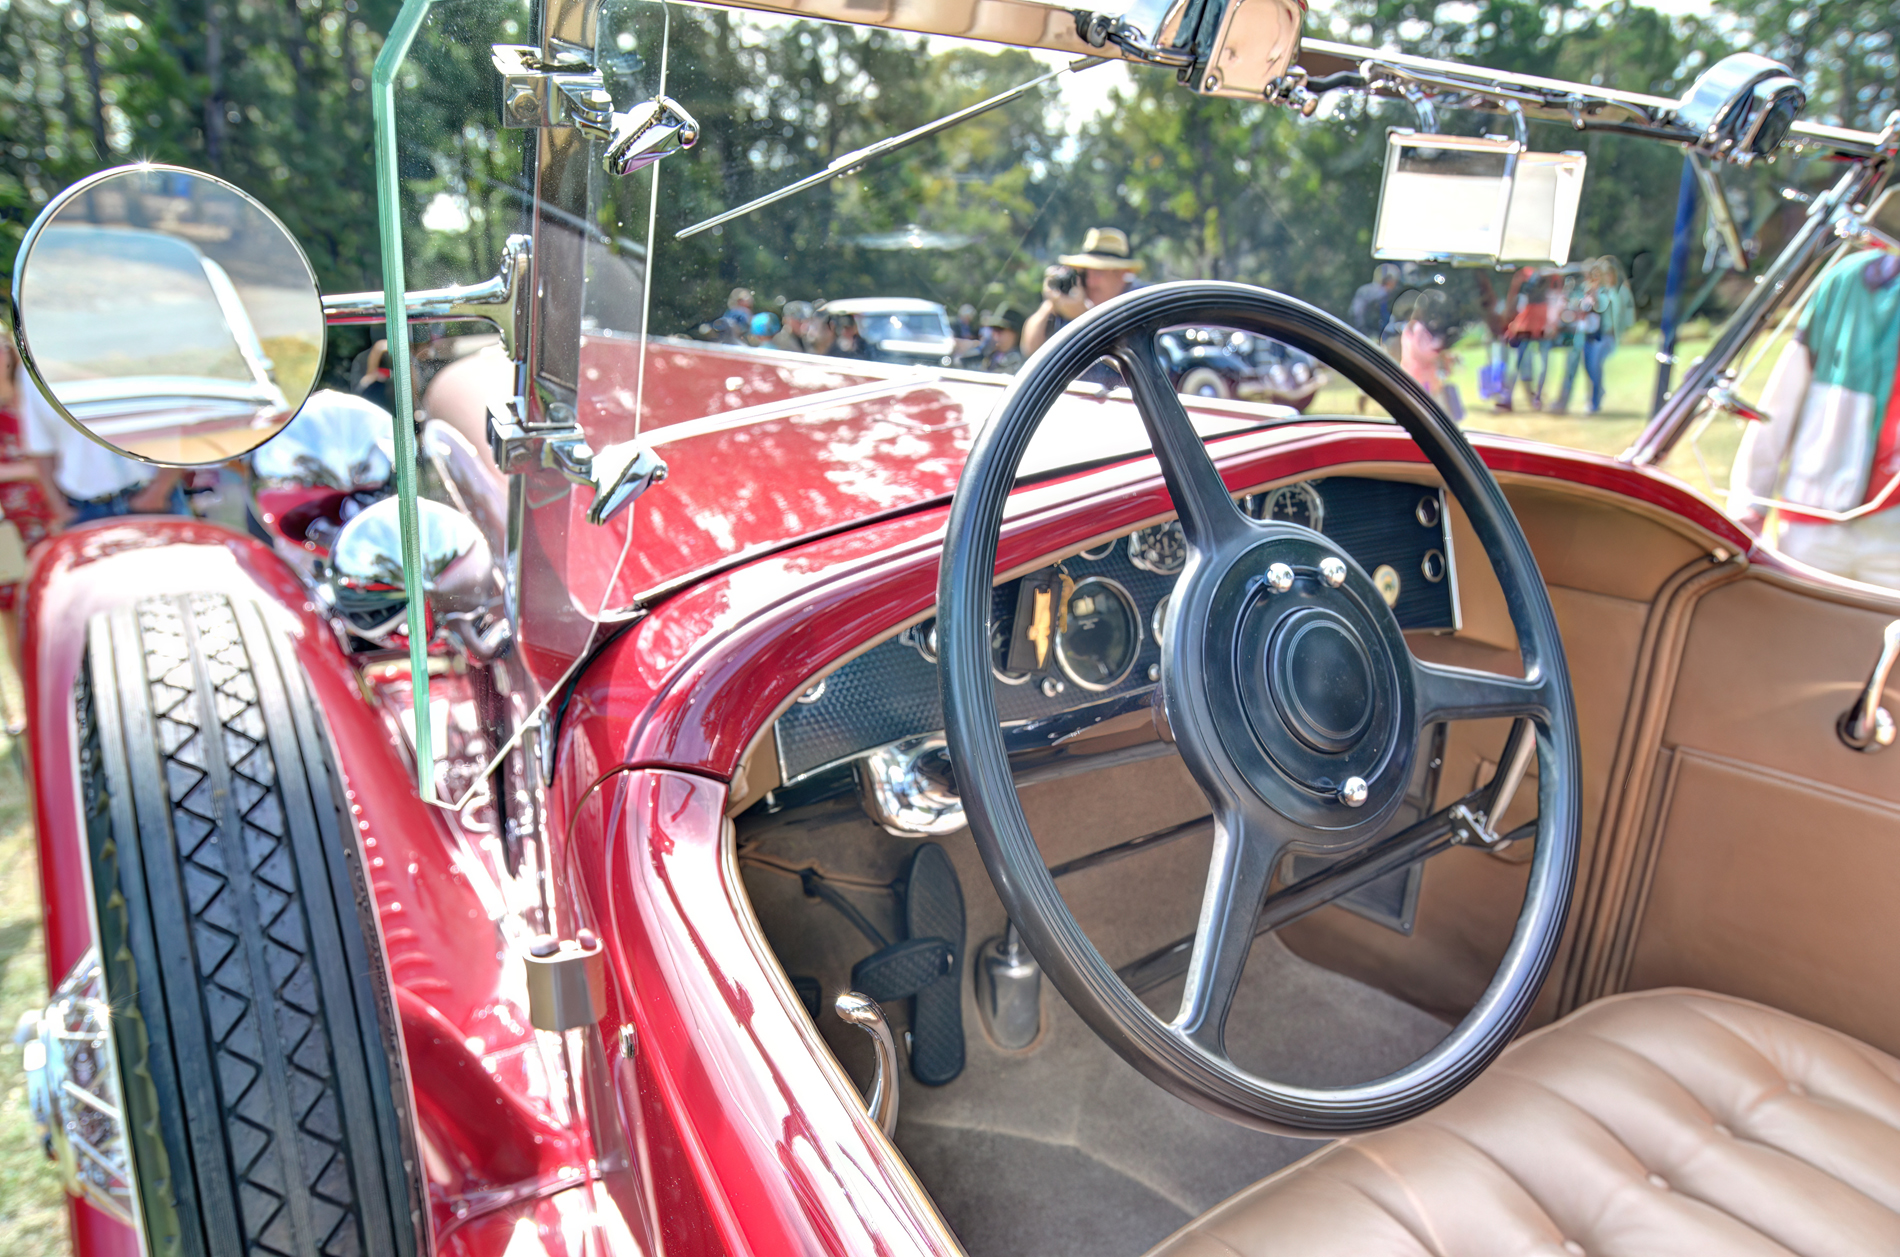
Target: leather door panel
x,y
1770,864
1777,889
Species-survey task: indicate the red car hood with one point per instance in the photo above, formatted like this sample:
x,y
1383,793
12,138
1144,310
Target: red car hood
x,y
767,448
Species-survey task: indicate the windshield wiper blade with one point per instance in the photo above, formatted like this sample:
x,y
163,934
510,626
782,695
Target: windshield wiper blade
x,y
871,152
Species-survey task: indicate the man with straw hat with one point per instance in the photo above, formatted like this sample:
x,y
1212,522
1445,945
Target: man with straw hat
x,y
1103,269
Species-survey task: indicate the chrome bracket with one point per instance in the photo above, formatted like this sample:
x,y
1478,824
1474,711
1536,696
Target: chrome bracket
x,y
862,1011
617,473
542,93
567,982
1475,826
500,302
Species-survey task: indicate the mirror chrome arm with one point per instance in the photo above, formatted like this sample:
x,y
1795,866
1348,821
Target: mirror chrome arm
x,y
1582,105
494,301
862,1011
1867,726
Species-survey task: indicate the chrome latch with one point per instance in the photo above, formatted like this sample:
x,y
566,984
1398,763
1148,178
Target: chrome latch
x,y
616,473
568,91
1867,726
646,133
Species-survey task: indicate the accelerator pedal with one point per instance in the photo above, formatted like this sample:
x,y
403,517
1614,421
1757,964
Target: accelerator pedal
x,y
933,912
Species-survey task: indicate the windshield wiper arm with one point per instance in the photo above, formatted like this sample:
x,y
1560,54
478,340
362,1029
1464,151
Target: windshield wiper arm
x,y
858,157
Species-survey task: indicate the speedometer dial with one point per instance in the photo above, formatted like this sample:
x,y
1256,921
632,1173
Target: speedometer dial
x,y
1100,634
1161,549
1297,504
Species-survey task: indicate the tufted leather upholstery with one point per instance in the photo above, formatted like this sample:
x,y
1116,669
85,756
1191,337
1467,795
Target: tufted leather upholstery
x,y
1661,1123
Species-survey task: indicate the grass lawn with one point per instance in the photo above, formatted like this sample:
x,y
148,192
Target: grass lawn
x,y
1629,381
32,1203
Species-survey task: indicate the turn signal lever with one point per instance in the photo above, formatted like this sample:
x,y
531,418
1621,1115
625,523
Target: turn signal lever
x,y
1867,726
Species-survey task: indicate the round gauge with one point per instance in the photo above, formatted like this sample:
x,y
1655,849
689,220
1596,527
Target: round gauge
x,y
1160,618
999,653
1161,549
1385,579
1427,512
1099,552
1297,504
1432,566
1100,634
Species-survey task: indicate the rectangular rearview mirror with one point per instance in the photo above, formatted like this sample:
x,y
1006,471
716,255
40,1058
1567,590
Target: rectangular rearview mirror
x,y
1475,201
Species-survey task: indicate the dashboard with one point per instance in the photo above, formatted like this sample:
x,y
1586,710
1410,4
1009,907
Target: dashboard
x,y
1085,632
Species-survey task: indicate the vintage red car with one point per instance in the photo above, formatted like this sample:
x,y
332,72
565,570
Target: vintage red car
x,y
1432,842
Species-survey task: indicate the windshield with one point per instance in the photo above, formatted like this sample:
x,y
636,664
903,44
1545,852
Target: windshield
x,y
831,355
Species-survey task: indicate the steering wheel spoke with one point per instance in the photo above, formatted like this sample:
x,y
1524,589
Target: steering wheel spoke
x,y
1447,693
1248,845
1209,514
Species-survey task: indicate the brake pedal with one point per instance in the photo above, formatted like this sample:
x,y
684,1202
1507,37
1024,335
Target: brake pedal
x,y
902,969
933,911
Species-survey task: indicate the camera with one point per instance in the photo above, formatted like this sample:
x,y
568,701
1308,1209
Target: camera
x,y
1061,279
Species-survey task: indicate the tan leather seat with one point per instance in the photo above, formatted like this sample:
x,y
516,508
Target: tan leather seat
x,y
1661,1123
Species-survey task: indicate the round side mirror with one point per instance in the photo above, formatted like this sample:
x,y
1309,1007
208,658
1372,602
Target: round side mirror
x,y
167,315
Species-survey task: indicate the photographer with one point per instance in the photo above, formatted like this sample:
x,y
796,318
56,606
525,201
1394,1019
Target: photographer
x,y
1103,269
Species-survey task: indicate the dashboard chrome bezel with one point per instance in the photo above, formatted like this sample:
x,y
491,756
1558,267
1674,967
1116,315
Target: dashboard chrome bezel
x,y
1056,647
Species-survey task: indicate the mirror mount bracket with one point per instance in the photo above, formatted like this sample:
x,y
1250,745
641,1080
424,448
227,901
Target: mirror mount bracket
x,y
499,302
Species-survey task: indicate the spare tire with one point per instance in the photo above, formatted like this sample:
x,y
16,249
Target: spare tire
x,y
259,1067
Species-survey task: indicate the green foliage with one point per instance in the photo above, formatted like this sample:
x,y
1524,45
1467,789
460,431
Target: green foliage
x,y
774,109
1844,50
272,94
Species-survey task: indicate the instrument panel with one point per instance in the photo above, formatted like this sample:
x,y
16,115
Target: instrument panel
x,y
1088,628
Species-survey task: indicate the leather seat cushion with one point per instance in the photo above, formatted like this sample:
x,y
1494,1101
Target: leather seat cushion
x,y
1644,1125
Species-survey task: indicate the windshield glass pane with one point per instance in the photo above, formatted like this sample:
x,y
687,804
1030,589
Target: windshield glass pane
x,y
970,222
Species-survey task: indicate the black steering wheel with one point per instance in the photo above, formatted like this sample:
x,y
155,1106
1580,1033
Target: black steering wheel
x,y
1293,699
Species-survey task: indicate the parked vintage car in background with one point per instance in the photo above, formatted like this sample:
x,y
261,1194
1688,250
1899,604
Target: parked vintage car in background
x,y
673,797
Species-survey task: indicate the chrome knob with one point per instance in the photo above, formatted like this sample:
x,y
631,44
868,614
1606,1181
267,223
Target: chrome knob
x,y
1279,578
1332,571
1353,793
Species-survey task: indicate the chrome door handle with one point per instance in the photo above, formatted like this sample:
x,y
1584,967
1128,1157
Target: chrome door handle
x,y
862,1011
1867,726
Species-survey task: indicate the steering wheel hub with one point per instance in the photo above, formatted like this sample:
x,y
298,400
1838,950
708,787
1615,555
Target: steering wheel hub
x,y
1320,679
1307,684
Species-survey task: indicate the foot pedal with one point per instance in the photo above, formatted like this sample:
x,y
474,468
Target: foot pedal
x,y
933,910
902,969
809,994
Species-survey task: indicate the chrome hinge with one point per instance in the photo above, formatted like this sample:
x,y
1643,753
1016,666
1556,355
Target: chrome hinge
x,y
617,473
568,91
